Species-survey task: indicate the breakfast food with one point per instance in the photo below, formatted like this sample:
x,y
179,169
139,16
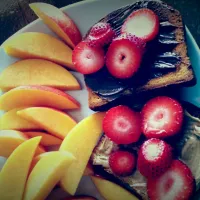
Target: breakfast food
x,y
43,179
47,139
122,125
115,191
164,61
87,59
132,151
162,117
154,158
59,22
12,182
31,44
37,72
85,135
37,96
10,140
178,173
10,120
159,164
54,121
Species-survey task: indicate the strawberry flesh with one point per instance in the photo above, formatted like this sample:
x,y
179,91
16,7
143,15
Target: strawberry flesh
x,y
122,163
154,158
123,59
87,59
177,183
143,23
100,34
162,117
122,125
139,43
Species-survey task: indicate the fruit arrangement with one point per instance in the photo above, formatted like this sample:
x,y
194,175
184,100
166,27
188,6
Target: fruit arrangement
x,y
48,148
122,55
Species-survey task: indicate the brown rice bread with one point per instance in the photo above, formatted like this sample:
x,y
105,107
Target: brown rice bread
x,y
173,51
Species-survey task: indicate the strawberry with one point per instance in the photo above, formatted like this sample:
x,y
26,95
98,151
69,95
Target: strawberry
x,y
123,58
140,44
100,34
143,23
87,59
122,125
162,117
154,158
122,163
177,183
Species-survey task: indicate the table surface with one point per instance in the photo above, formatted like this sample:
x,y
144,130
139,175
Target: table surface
x,y
15,14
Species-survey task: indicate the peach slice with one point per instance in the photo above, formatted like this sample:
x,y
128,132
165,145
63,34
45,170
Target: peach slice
x,y
80,141
46,174
15,171
47,139
37,72
10,140
59,22
110,190
53,121
10,120
39,45
37,96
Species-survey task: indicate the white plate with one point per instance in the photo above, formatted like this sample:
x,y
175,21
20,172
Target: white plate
x,y
85,14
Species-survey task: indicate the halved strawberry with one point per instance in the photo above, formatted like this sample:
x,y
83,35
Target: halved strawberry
x,y
177,183
154,158
139,43
143,23
122,125
162,117
87,59
123,58
100,34
122,163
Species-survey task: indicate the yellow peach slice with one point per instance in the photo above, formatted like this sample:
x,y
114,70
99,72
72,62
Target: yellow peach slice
x,y
80,141
28,96
10,120
39,45
14,173
46,174
37,72
10,140
110,190
59,22
53,121
47,139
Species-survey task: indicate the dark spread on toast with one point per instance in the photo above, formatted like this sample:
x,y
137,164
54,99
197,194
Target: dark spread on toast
x,y
160,58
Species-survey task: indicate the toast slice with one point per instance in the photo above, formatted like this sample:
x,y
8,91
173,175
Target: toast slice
x,y
186,147
165,62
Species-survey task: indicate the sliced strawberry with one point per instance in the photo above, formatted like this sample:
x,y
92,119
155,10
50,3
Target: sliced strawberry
x,y
143,23
162,117
177,183
154,158
123,58
100,34
122,125
87,59
139,43
122,163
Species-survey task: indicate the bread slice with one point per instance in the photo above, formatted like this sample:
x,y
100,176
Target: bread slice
x,y
186,147
166,61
